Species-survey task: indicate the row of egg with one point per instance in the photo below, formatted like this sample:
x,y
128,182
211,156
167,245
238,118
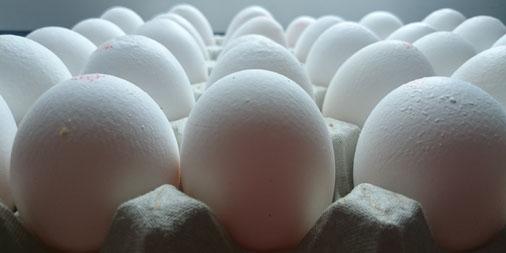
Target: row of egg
x,y
256,148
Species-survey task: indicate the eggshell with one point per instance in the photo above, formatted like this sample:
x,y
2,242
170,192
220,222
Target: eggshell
x,y
86,146
295,29
151,67
8,130
265,26
333,47
411,32
98,30
198,20
27,69
487,71
261,54
312,32
71,47
265,190
244,16
481,31
382,23
446,51
445,19
190,29
442,142
500,42
127,19
180,43
243,39
367,76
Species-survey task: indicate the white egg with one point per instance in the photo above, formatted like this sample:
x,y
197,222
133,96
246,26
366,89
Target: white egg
x,y
442,142
261,54
296,28
382,23
487,70
86,146
446,51
151,67
180,43
311,34
198,20
127,19
244,16
238,156
411,32
445,19
243,39
27,69
371,73
98,30
189,28
500,42
265,26
71,47
8,130
481,31
333,47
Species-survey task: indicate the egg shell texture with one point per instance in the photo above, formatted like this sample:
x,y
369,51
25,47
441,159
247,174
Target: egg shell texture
x,y
500,42
243,39
127,19
296,28
411,32
257,151
311,34
244,16
98,30
481,31
265,26
382,23
198,20
445,19
8,130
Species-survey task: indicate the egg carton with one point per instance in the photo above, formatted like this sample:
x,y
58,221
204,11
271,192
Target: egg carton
x,y
214,52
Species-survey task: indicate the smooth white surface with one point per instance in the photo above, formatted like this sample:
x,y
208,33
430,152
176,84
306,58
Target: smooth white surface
x,y
149,65
71,47
371,73
445,19
8,130
487,71
127,19
266,167
446,51
265,26
481,31
27,69
88,145
500,42
261,54
411,32
98,30
243,39
244,16
180,43
442,142
311,34
334,47
296,28
382,23
197,19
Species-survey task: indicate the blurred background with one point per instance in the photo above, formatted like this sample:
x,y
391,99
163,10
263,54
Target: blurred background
x,y
26,15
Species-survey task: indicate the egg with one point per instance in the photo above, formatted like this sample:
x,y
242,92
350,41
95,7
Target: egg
x,y
261,54
244,16
71,47
88,145
368,75
295,29
190,29
382,23
8,130
265,190
180,43
98,30
446,51
333,47
445,19
411,32
481,31
243,39
500,42
265,26
198,20
127,19
487,71
151,67
312,32
440,141
27,69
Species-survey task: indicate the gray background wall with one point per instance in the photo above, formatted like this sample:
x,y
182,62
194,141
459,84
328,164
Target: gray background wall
x,y
27,15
